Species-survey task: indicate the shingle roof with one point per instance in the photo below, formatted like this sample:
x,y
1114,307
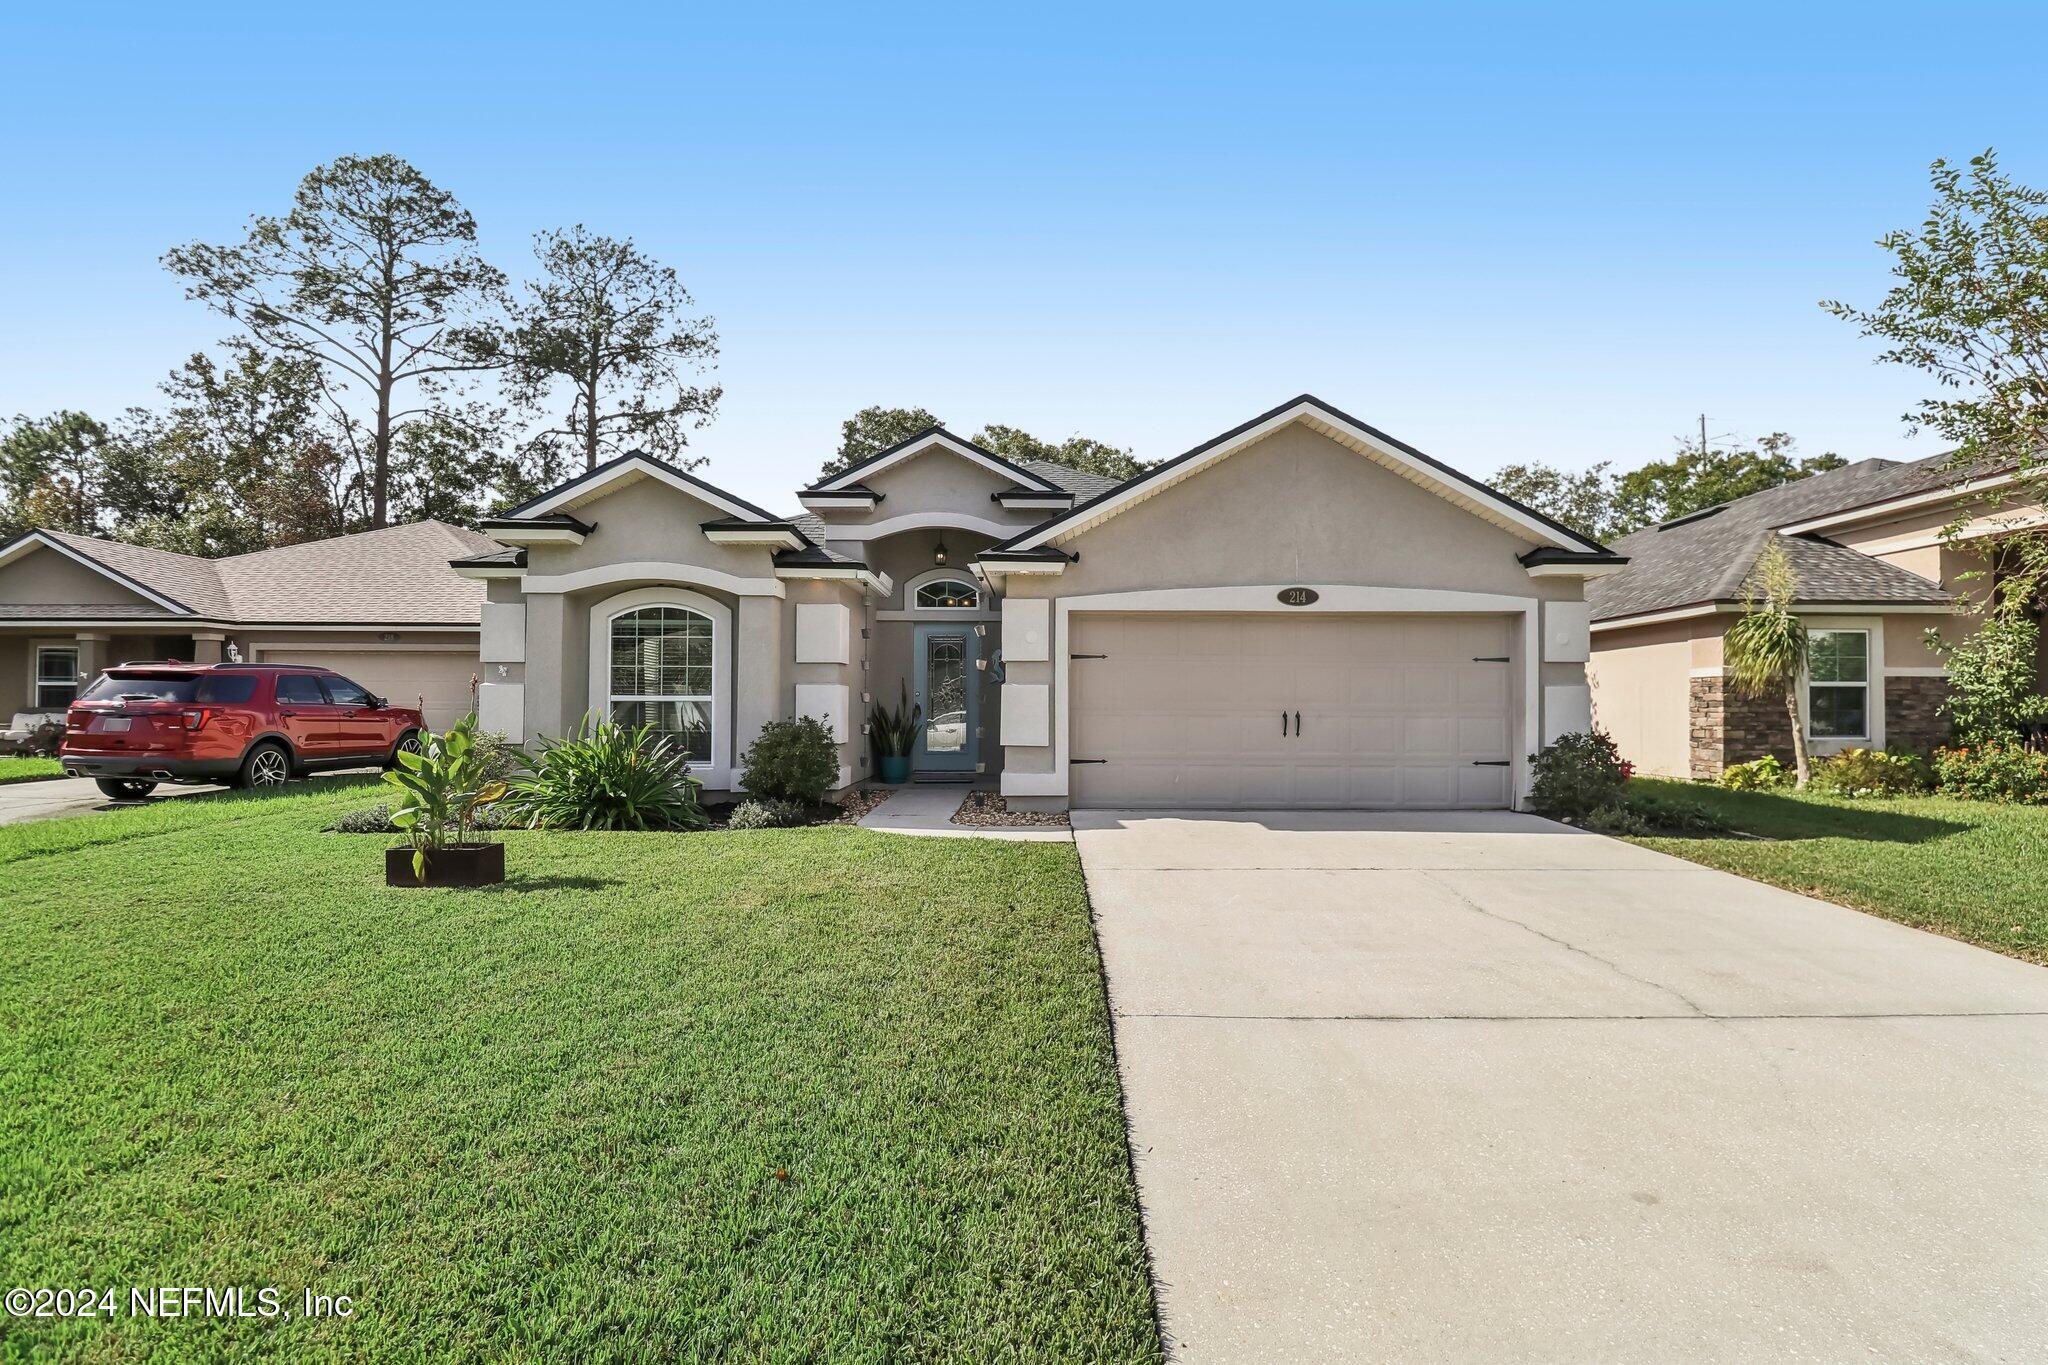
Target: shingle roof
x,y
395,576
1079,483
1707,557
186,579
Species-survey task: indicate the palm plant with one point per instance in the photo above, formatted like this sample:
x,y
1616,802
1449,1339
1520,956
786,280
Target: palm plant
x,y
1766,649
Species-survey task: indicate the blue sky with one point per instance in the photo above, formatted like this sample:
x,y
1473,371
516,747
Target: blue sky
x,y
1499,233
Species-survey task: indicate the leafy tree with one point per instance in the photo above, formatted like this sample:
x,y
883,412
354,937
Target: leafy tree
x,y
1969,307
374,276
607,333
71,472
447,465
1582,500
1766,648
248,444
875,429
1694,479
1993,693
1084,453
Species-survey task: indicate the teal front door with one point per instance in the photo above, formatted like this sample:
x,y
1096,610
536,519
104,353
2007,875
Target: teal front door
x,y
947,683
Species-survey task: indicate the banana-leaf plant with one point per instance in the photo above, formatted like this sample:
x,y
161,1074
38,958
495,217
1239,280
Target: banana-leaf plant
x,y
442,787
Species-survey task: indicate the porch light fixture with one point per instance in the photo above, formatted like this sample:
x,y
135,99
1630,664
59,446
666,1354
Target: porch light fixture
x,y
939,554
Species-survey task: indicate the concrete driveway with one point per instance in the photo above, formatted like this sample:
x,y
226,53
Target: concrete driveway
x,y
21,801
1483,1087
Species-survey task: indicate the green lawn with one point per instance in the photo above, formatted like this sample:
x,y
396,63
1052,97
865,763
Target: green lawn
x,y
1968,869
28,769
553,1120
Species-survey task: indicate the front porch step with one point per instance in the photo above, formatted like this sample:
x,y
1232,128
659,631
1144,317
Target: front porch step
x,y
964,779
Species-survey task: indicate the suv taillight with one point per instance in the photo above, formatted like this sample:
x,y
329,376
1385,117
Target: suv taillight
x,y
196,719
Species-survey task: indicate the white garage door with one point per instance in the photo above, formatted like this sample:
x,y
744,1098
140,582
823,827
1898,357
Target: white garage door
x,y
1275,711
402,677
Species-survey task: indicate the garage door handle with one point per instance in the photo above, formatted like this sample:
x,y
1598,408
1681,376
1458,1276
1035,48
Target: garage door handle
x,y
1297,725
1283,724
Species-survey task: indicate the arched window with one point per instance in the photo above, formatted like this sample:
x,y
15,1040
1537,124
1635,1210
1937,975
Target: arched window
x,y
662,665
946,593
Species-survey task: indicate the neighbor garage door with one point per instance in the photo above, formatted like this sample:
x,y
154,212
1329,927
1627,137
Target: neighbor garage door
x,y
1201,711
402,677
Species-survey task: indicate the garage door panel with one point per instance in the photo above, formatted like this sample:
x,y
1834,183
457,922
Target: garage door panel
x,y
1186,710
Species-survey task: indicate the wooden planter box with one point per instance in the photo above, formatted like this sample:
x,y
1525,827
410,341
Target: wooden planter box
x,y
456,865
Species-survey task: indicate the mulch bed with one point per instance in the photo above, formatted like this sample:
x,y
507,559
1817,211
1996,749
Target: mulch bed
x,y
856,804
989,809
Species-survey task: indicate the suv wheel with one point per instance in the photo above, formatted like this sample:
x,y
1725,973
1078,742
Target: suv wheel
x,y
124,788
408,743
266,765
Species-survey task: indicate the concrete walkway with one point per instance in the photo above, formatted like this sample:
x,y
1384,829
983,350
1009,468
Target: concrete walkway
x,y
927,809
1481,1087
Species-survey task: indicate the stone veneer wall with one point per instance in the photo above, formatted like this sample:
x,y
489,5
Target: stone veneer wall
x,y
1728,727
1911,718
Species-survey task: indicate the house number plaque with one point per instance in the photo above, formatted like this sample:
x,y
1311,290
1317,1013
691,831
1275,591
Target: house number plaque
x,y
1297,597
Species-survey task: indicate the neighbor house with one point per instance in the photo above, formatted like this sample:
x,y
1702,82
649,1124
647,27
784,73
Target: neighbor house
x,y
380,607
1301,612
1883,551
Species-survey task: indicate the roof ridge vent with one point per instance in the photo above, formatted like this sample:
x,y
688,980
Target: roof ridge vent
x,y
1691,517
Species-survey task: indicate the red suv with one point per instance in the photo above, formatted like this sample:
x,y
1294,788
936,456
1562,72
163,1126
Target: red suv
x,y
250,725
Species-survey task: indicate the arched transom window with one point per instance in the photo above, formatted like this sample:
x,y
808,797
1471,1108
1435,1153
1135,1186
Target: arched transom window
x,y
946,592
662,673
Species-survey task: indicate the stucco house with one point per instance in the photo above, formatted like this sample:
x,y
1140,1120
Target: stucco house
x,y
1302,612
1883,549
380,607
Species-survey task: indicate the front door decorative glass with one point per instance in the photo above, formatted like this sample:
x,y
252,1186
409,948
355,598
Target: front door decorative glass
x,y
946,688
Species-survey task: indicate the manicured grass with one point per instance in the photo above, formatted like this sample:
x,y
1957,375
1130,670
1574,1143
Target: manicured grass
x,y
1968,869
28,769
790,1094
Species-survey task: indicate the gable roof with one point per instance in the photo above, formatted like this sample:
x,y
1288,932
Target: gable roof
x,y
1396,455
398,575
935,438
1707,557
628,468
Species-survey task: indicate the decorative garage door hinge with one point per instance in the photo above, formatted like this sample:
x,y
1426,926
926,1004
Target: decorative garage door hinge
x,y
1087,656
1490,763
1087,760
1489,658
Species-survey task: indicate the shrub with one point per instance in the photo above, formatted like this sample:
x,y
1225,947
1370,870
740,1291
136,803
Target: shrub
x,y
369,820
1871,772
791,760
1991,697
1637,814
1759,775
377,820
768,815
1993,772
606,776
1577,775
498,756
